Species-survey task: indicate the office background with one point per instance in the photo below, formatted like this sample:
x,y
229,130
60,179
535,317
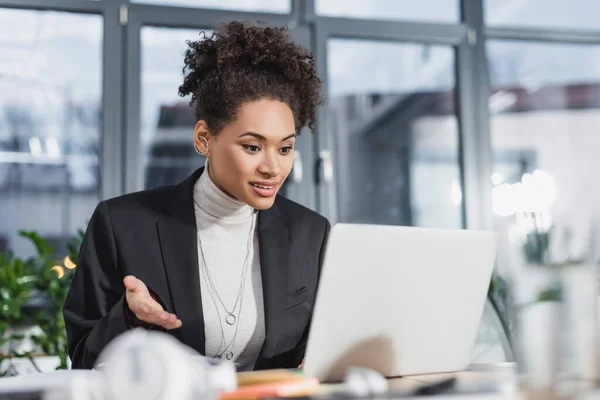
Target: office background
x,y
434,111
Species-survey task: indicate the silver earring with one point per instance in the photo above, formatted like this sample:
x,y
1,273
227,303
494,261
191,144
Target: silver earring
x,y
198,151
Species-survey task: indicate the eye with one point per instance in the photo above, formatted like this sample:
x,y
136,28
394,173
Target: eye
x,y
251,148
286,149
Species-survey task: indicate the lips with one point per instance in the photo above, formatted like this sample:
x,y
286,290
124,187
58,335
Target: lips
x,y
264,189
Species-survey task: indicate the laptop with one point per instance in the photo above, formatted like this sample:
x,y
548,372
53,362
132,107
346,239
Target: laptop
x,y
399,300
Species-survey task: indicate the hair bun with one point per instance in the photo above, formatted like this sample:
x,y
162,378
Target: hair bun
x,y
241,44
200,60
243,62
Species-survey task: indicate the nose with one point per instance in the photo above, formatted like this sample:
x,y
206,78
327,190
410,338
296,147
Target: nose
x,y
269,165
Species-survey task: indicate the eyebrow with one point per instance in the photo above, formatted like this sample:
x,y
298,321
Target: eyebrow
x,y
263,138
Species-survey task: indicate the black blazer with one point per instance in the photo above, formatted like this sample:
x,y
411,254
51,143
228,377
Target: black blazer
x,y
152,235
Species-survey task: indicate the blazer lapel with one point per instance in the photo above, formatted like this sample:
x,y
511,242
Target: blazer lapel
x,y
178,241
274,245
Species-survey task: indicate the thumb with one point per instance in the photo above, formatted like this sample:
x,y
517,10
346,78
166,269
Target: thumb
x,y
133,284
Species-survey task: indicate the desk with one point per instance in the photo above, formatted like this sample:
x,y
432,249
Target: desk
x,y
502,376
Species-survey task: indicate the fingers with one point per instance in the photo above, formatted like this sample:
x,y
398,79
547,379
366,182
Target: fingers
x,y
133,284
145,308
170,321
159,317
151,311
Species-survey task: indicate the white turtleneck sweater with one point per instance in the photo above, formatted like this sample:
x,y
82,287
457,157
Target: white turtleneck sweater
x,y
227,229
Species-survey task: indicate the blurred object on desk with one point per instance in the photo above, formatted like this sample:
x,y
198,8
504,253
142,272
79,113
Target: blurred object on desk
x,y
304,387
493,382
143,364
268,376
555,280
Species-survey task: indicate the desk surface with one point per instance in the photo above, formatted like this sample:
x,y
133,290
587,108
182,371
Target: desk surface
x,y
502,377
499,375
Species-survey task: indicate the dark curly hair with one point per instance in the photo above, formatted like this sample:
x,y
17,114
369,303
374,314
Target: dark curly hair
x,y
240,63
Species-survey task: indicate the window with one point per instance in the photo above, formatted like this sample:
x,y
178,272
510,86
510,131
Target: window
x,y
545,110
424,10
50,107
167,120
392,113
268,6
573,14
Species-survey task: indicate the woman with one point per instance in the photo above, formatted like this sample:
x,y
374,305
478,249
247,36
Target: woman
x,y
219,260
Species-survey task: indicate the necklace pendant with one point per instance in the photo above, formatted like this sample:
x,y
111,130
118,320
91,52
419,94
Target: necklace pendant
x,y
230,319
229,355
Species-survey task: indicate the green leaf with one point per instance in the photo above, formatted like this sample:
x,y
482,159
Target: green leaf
x,y
41,245
26,280
552,294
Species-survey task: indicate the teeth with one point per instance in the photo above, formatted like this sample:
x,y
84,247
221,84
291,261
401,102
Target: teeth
x,y
262,187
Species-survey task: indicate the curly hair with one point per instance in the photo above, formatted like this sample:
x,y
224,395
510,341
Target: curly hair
x,y
240,63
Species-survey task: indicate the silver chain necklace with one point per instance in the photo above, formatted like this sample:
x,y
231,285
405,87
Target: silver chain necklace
x,y
219,353
228,349
230,318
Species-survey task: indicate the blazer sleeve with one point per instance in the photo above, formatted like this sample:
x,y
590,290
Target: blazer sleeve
x,y
294,358
95,307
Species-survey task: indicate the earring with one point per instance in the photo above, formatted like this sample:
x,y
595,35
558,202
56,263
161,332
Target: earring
x,y
205,141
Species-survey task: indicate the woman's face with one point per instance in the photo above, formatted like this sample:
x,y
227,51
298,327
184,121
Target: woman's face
x,y
251,157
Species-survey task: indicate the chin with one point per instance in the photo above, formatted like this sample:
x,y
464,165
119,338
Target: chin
x,y
259,202
262,204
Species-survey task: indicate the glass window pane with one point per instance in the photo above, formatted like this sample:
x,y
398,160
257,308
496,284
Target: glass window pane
x,y
392,113
545,113
50,107
268,6
424,10
572,14
167,120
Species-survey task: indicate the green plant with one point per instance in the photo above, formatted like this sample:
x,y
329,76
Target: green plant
x,y
550,294
32,293
537,247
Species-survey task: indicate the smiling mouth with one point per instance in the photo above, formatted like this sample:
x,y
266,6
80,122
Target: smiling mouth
x,y
263,186
265,190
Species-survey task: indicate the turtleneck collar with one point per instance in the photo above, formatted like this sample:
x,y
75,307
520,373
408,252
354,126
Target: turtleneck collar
x,y
210,199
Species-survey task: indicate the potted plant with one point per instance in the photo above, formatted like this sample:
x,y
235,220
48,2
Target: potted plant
x,y
32,294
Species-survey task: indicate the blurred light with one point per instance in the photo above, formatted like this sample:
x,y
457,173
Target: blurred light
x,y
535,193
539,192
501,101
59,271
497,178
68,263
456,195
53,147
35,146
503,201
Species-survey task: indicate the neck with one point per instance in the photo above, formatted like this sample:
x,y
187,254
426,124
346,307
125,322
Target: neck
x,y
215,181
210,199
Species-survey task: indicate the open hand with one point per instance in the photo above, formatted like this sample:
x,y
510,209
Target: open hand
x,y
144,307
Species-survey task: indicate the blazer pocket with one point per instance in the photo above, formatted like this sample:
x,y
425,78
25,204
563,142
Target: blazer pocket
x,y
294,299
296,319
